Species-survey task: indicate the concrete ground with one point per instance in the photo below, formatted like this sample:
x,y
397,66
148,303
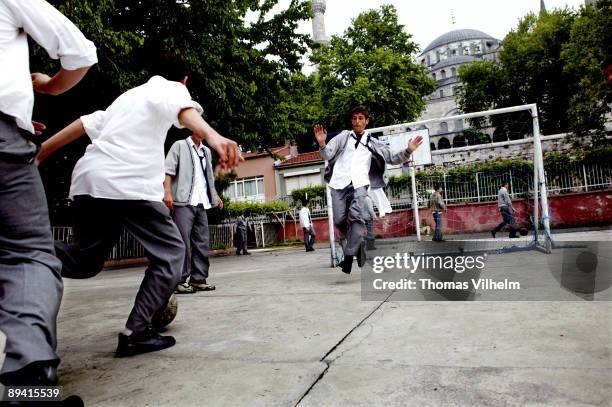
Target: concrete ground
x,y
283,328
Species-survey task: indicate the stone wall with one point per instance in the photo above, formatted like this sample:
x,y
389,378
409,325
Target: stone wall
x,y
486,152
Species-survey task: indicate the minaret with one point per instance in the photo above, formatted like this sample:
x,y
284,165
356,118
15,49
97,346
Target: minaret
x,y
542,7
318,21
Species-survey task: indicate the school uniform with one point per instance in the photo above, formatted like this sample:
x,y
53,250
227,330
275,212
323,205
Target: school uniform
x,y
118,184
30,279
354,164
193,192
307,228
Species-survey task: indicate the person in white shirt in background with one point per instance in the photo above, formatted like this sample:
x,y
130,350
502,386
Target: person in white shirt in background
x,y
307,226
189,191
119,183
30,280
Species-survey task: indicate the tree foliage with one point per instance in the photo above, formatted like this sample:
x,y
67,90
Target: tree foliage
x,y
242,72
553,59
587,53
371,64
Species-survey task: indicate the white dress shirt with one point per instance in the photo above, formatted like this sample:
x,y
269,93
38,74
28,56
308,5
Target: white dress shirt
x,y
353,165
198,194
126,158
305,220
54,32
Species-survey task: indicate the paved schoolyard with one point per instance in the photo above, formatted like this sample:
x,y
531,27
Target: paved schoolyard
x,y
284,328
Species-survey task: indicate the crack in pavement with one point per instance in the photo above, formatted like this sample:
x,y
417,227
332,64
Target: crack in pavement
x,y
329,363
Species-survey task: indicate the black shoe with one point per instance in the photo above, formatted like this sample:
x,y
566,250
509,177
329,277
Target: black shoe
x,y
493,234
514,236
34,374
310,250
246,253
361,256
238,253
142,342
184,288
203,286
347,264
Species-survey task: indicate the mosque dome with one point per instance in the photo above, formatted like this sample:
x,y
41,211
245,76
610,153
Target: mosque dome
x,y
457,36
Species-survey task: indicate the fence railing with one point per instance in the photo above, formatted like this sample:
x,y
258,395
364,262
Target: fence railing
x,y
483,187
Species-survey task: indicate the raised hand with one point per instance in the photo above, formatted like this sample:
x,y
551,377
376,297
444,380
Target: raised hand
x,y
415,143
320,134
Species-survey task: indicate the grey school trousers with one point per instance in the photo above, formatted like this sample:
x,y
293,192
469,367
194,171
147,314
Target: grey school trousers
x,y
30,283
192,222
98,225
348,204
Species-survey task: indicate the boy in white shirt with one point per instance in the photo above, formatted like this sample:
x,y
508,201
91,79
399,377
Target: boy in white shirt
x,y
119,183
356,161
307,226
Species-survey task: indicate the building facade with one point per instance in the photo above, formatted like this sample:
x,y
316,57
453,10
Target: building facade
x,y
256,177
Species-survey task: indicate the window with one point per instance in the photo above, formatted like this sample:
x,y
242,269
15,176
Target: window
x,y
443,127
443,144
443,73
433,75
458,125
247,189
441,93
453,71
454,52
301,181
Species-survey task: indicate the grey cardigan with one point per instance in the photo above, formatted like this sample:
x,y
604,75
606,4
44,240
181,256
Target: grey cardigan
x,y
381,155
181,166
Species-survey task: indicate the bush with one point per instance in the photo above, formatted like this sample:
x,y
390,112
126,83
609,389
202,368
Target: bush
x,y
313,191
254,208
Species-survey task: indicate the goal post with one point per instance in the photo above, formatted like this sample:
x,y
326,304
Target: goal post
x,y
497,120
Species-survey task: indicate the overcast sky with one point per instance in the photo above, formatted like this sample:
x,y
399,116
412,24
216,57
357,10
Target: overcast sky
x,y
428,19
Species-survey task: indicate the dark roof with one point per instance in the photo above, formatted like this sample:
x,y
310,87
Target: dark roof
x,y
454,60
311,157
456,36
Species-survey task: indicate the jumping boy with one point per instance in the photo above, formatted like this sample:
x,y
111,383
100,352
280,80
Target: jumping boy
x,y
356,161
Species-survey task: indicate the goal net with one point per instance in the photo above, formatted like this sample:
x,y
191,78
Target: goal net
x,y
470,156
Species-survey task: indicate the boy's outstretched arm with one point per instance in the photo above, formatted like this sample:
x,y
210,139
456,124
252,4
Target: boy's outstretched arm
x,y
229,156
65,136
400,157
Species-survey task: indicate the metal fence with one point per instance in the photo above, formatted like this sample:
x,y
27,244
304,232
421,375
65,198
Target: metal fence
x,y
483,187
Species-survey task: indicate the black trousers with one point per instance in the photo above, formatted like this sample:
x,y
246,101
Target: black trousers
x,y
508,219
98,225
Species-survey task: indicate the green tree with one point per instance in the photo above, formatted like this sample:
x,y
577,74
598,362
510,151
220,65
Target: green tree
x,y
371,64
586,54
553,59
